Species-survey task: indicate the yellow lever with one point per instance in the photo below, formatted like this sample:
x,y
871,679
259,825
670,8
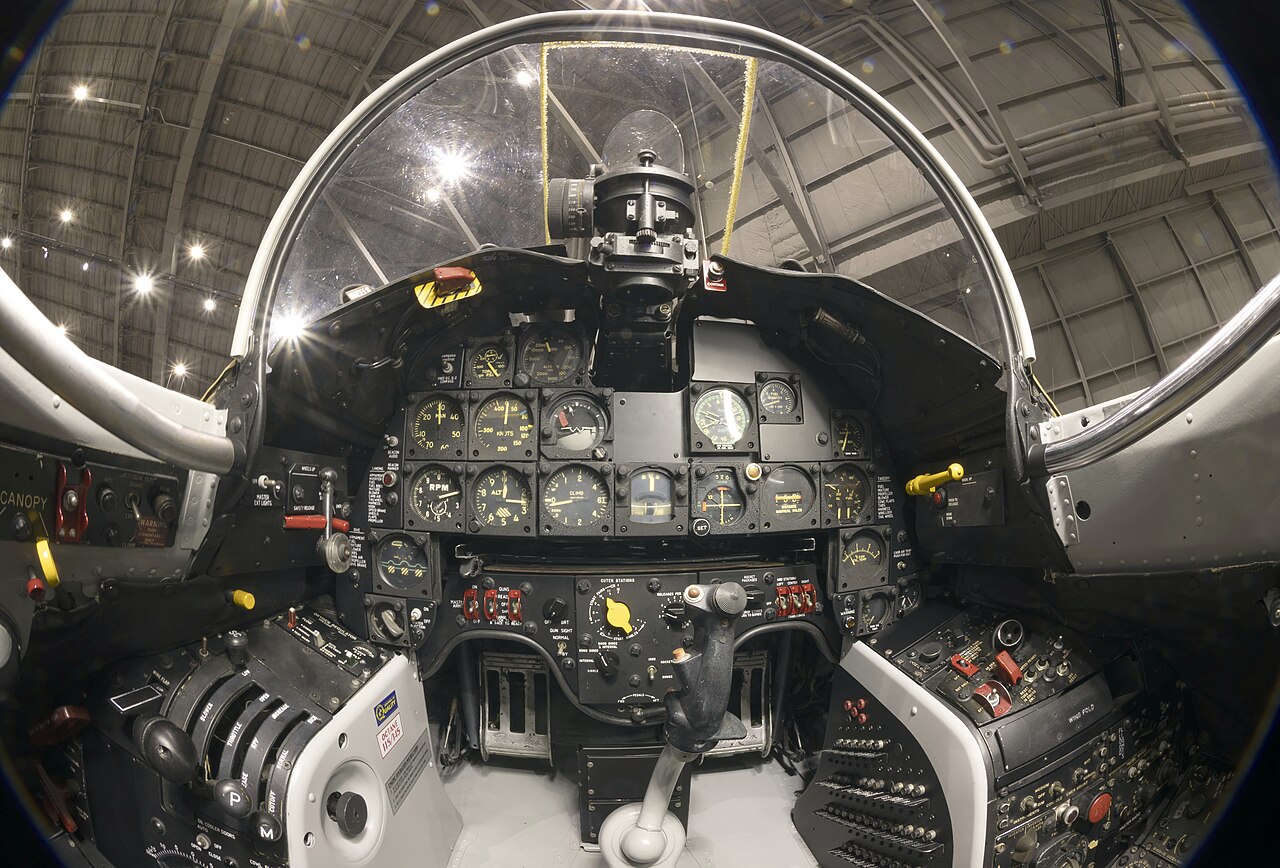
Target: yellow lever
x,y
618,615
927,482
47,566
243,600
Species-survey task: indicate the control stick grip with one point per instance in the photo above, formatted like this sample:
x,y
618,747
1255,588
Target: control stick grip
x,y
697,713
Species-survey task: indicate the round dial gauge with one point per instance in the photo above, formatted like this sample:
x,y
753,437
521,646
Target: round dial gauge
x,y
436,428
578,423
861,557
722,416
848,437
777,398
502,497
402,563
610,614
788,493
720,499
489,363
575,496
504,425
874,609
652,494
436,496
844,493
550,356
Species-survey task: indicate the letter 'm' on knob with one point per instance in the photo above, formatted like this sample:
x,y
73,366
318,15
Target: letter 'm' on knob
x,y
349,811
166,748
266,826
233,798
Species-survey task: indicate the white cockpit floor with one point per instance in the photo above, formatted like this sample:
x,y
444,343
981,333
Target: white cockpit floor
x,y
519,818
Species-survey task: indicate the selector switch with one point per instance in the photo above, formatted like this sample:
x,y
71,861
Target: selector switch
x,y
554,609
608,662
165,507
1007,668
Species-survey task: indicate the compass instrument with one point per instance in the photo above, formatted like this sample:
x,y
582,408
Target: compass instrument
x,y
861,558
652,496
575,497
501,498
550,356
788,494
722,416
436,428
578,423
777,399
435,496
401,562
489,364
720,500
845,493
503,426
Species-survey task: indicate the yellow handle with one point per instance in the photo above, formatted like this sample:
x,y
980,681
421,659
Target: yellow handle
x,y
243,599
927,482
618,615
45,552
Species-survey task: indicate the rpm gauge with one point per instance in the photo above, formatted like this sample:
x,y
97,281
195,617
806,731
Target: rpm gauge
x,y
503,426
578,423
575,497
550,356
777,398
435,495
720,500
844,494
501,498
788,494
436,428
860,558
652,497
489,363
721,416
401,562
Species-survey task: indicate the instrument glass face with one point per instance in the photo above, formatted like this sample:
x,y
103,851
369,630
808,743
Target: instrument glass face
x,y
401,562
504,425
848,437
578,423
437,427
861,557
575,496
502,498
777,398
489,364
788,493
435,496
722,416
652,496
550,356
844,493
720,499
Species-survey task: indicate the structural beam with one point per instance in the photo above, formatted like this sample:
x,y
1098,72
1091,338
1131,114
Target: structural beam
x,y
27,144
1066,40
1172,38
363,87
1066,330
821,255
1144,316
210,82
336,210
1255,276
1017,162
1168,133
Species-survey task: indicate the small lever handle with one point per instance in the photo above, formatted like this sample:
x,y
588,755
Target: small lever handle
x,y
166,747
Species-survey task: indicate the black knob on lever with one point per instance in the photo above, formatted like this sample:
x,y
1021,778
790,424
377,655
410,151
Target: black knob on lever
x,y
166,748
349,811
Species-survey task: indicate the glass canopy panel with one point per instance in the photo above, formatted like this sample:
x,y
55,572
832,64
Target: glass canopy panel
x,y
466,159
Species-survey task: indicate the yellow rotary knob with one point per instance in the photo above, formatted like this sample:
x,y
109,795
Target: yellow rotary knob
x,y
618,615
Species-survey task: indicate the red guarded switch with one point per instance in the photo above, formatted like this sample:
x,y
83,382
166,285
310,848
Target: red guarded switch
x,y
470,605
1008,669
491,605
963,665
1099,808
515,606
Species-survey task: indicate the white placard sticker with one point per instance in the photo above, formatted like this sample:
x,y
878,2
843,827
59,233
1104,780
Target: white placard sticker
x,y
389,736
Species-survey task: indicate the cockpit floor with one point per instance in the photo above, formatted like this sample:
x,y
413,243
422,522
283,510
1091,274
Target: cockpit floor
x,y
517,818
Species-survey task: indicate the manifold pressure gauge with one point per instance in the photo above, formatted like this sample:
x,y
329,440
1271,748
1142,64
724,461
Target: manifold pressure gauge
x,y
436,428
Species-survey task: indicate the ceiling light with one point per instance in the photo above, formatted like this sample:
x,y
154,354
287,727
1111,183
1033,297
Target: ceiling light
x,y
6,242
289,327
433,194
143,283
62,329
524,78
84,266
210,304
80,92
67,215
452,166
196,251
179,370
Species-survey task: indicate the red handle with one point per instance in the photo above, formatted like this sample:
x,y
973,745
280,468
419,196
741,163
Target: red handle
x,y
314,522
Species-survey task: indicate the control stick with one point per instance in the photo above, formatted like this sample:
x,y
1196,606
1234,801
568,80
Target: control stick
x,y
648,834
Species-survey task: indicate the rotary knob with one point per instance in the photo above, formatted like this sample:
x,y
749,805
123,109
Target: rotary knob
x,y
608,663
349,811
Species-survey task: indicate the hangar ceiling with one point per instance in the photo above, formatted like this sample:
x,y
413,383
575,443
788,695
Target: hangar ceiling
x,y
147,144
